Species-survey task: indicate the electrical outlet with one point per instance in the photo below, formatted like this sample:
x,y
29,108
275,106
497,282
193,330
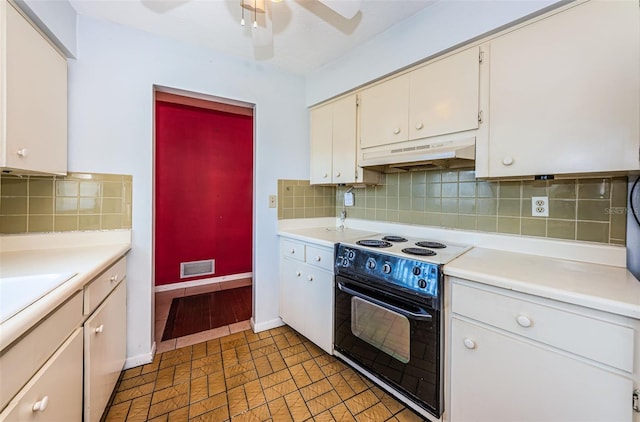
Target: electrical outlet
x,y
273,201
540,206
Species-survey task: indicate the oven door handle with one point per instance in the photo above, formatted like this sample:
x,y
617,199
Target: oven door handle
x,y
423,316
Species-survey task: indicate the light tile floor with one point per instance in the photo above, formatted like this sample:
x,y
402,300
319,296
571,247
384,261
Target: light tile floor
x,y
163,305
275,375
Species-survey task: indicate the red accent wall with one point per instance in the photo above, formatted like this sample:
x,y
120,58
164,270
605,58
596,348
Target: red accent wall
x,y
204,190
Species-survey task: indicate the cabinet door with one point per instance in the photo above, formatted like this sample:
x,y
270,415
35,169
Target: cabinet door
x,y
105,334
564,93
384,113
36,100
344,140
321,149
292,309
55,391
444,95
499,377
319,308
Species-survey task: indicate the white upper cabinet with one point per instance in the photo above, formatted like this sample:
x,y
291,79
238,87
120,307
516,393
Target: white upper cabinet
x,y
33,86
444,95
439,98
384,113
565,94
334,144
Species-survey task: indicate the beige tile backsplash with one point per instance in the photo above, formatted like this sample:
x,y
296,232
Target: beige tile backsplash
x,y
579,209
298,199
78,201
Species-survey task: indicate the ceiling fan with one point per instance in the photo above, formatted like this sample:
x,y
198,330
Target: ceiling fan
x,y
259,10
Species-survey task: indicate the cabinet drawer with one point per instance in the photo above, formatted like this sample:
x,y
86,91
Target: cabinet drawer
x,y
320,257
585,335
96,291
292,249
56,387
25,357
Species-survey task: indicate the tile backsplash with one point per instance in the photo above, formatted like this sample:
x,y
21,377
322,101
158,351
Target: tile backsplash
x,y
298,199
579,209
78,201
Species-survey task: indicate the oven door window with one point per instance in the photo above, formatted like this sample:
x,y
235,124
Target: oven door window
x,y
382,328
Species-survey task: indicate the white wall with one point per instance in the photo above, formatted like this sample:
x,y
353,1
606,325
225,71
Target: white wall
x,y
57,19
111,130
432,30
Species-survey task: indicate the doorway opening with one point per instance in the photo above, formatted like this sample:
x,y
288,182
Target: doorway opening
x,y
203,219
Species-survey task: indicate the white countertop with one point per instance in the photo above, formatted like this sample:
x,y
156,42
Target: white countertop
x,y
607,288
86,255
326,236
610,288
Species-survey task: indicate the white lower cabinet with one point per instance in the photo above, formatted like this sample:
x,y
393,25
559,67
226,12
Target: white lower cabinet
x,y
104,351
54,393
306,291
515,357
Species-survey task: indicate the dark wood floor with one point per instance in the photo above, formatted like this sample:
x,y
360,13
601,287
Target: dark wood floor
x,y
193,314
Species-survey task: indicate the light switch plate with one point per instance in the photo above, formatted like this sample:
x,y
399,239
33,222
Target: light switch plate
x,y
273,201
540,206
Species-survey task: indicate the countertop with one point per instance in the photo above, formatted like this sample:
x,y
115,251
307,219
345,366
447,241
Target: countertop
x,y
603,287
608,288
326,236
85,258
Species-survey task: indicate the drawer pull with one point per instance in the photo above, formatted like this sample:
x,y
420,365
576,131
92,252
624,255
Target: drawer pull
x,y
292,251
310,278
99,329
41,406
113,278
396,131
469,344
523,321
318,258
298,273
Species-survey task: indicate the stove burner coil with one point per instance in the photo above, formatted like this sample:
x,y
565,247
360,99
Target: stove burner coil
x,y
419,251
394,239
432,245
374,243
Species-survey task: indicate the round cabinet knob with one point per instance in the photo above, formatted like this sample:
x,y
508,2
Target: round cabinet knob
x,y
469,344
113,278
298,273
338,174
99,329
419,126
325,175
41,405
396,131
386,268
22,152
292,251
310,278
523,321
507,161
318,258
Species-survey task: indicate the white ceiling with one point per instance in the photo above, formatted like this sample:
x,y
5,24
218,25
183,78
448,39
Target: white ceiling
x,y
306,33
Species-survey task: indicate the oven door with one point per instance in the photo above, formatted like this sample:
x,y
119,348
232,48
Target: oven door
x,y
393,338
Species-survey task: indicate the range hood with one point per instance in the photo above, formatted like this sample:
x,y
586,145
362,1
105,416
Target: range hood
x,y
420,154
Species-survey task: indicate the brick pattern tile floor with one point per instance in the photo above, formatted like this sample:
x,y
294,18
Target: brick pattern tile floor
x,y
275,375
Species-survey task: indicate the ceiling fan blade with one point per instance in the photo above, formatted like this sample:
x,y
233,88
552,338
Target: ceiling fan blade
x,y
345,8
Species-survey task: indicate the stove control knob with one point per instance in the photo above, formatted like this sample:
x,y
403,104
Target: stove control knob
x,y
422,283
416,270
351,254
371,263
386,268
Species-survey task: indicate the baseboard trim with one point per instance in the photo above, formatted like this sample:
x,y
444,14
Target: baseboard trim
x,y
266,325
143,359
201,282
